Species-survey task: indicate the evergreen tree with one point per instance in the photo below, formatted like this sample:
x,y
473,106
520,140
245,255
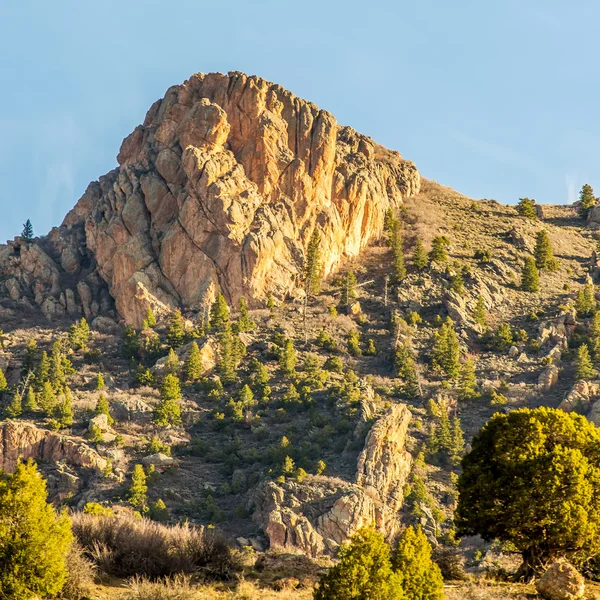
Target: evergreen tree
x,y
43,371
595,336
47,398
397,243
30,405
3,382
176,331
138,489
503,338
353,344
63,411
34,540
313,267
246,397
159,512
30,360
244,323
79,334
219,313
364,571
287,360
27,233
544,256
585,301
420,259
404,364
480,314
150,318
348,289
143,376
446,349
586,199
457,284
527,208
270,302
168,411
467,382
15,406
530,280
457,447
131,343
99,382
438,253
57,375
172,363
371,349
228,355
584,368
103,408
192,367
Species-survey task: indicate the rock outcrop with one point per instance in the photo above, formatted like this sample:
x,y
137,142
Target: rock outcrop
x,y
220,188
561,581
20,440
318,514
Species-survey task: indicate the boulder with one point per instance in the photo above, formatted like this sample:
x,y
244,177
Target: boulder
x,y
579,398
208,356
548,378
132,408
101,422
158,460
561,581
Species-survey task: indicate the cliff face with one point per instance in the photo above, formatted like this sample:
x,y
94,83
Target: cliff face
x,y
220,189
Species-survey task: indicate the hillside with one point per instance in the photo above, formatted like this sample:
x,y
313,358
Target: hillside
x,y
302,419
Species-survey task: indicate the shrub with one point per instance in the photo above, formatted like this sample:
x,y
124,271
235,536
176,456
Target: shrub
x,y
530,280
167,588
527,208
80,575
127,546
483,256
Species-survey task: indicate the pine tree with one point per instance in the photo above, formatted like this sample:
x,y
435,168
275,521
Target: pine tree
x,y
420,259
27,233
35,540
219,313
364,571
420,577
530,280
172,363
404,364
3,382
371,349
353,344
467,382
397,243
43,371
143,376
150,318
15,406
480,314
348,289
176,331
192,366
131,343
457,445
270,302
47,398
30,360
30,405
457,284
168,411
228,356
313,267
438,252
79,334
585,301
57,375
103,408
503,338
99,382
159,512
446,349
595,336
544,257
138,490
246,397
586,199
583,364
287,360
244,323
63,411
527,208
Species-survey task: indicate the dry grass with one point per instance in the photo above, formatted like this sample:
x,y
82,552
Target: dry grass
x,y
175,588
125,546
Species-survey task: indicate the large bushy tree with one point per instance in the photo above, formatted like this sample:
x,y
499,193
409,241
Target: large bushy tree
x,y
532,478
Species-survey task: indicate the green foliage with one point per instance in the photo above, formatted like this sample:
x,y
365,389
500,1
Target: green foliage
x,y
334,364
100,382
30,361
320,467
348,289
150,318
483,256
172,363
14,408
138,490
143,376
313,267
42,374
229,354
544,256
176,332
480,314
79,334
103,408
397,244
159,512
420,259
325,340
371,349
192,366
532,478
27,233
586,199
244,323
420,577
503,338
270,302
406,369
526,207
168,411
467,382
457,285
584,369
438,253
585,301
94,435
63,411
530,279
364,571
353,344
47,398
30,405
3,383
131,343
287,360
58,366
34,540
446,349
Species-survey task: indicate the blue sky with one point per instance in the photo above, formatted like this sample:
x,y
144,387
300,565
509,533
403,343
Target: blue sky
x,y
496,99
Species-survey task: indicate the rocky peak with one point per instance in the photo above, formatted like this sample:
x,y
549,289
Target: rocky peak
x,y
220,189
